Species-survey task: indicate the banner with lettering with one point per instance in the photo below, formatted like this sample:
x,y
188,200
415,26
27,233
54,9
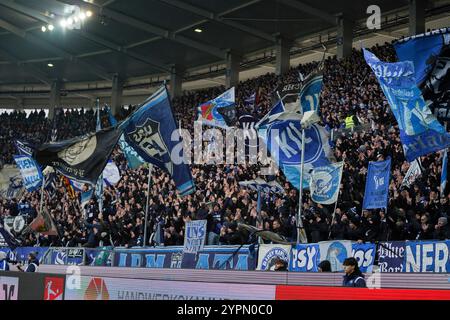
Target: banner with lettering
x,y
304,258
391,256
268,254
427,256
364,253
195,236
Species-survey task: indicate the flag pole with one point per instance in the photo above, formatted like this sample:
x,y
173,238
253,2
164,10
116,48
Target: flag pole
x,y
334,216
42,194
258,204
300,230
146,207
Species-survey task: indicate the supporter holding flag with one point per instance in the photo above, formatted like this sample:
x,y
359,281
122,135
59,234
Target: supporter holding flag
x,y
149,129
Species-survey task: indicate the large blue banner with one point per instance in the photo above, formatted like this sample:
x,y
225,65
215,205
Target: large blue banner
x,y
377,184
427,256
30,171
223,257
304,258
420,131
391,256
149,131
21,253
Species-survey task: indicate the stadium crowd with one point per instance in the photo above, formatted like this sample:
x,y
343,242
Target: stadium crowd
x,y
350,89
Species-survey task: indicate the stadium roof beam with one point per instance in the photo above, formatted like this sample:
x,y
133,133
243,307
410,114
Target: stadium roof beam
x,y
106,43
150,28
48,46
218,18
35,72
331,19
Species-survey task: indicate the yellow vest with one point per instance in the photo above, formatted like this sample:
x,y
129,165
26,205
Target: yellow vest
x,y
349,122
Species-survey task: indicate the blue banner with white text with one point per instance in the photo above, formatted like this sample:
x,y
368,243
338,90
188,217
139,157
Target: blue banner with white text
x,y
377,184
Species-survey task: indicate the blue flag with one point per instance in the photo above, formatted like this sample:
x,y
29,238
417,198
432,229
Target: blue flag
x,y
24,148
133,158
309,95
30,171
325,183
284,144
219,112
149,129
377,184
430,53
420,131
262,185
444,172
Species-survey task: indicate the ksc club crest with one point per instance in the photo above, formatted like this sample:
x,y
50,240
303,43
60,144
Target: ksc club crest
x,y
148,137
287,135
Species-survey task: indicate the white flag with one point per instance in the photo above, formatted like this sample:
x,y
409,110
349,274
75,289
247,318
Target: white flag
x,y
413,172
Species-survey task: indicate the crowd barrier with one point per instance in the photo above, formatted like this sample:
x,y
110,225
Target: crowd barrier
x,y
54,282
385,257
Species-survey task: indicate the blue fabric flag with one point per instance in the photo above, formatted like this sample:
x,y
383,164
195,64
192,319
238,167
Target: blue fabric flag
x,y
325,183
444,172
430,54
210,113
284,144
133,158
309,95
423,50
377,184
420,131
149,129
30,171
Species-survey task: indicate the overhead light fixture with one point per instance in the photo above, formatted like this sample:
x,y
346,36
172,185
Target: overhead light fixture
x,y
89,13
50,65
43,29
63,23
198,30
82,15
50,27
69,21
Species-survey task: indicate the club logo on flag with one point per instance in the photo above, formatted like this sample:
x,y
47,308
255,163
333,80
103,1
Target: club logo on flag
x,y
79,152
207,110
149,139
325,183
379,182
289,142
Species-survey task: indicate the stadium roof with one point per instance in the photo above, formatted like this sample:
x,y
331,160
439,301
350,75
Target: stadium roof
x,y
146,38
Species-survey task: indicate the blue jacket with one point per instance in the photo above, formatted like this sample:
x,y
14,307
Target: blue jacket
x,y
356,279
